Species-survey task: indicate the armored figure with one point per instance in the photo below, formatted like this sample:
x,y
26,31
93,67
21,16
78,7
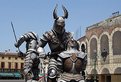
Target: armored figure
x,y
56,39
32,56
70,64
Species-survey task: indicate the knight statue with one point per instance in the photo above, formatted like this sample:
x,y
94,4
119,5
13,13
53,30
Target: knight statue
x,y
56,39
31,69
70,63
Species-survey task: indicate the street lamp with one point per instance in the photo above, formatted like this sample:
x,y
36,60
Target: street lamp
x,y
95,60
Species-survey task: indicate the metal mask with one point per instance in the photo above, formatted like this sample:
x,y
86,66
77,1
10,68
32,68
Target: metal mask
x,y
72,44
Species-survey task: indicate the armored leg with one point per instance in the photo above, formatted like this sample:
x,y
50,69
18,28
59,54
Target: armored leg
x,y
31,65
35,69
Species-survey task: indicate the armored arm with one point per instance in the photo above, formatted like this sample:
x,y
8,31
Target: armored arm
x,y
41,52
26,37
20,41
23,38
59,64
55,67
43,41
52,68
84,62
84,65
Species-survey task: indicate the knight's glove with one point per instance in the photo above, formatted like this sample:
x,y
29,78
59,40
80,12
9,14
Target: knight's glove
x,y
52,73
52,68
16,45
27,74
41,52
27,71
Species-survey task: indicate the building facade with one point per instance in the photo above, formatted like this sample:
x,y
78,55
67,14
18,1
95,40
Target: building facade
x,y
10,65
102,43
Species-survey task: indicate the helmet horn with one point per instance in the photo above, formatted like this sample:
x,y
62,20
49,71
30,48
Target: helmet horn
x,y
65,12
55,12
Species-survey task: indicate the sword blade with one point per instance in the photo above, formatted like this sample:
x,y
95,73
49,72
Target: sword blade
x,y
14,31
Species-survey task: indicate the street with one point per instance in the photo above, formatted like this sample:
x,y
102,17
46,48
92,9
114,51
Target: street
x,y
12,81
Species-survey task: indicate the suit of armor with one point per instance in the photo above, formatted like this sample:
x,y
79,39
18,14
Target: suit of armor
x,y
56,39
32,57
57,45
70,64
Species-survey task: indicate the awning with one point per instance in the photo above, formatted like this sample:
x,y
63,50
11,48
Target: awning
x,y
10,75
6,75
17,75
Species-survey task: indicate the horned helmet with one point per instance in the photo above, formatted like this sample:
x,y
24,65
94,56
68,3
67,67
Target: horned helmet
x,y
59,23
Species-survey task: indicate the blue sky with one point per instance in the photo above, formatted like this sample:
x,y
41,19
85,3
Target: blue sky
x,y
36,16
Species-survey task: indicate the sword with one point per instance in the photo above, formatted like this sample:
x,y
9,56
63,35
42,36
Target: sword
x,y
16,41
14,34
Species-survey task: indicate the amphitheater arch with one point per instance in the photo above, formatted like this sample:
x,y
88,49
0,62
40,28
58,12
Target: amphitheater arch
x,y
117,70
105,71
93,45
116,41
104,42
83,46
94,71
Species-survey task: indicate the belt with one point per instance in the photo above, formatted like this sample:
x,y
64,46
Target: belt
x,y
70,76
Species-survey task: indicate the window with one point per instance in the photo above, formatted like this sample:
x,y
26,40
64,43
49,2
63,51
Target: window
x,y
2,57
16,58
2,65
16,65
22,64
9,58
22,58
9,65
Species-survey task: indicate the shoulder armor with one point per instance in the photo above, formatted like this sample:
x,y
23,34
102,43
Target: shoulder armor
x,y
68,34
48,35
64,54
81,55
31,35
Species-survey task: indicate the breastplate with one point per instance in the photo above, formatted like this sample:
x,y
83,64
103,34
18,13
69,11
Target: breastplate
x,y
73,64
56,45
31,45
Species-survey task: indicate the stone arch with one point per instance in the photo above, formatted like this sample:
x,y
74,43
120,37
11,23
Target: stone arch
x,y
104,42
93,45
83,46
94,71
117,70
87,44
116,41
104,47
105,71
